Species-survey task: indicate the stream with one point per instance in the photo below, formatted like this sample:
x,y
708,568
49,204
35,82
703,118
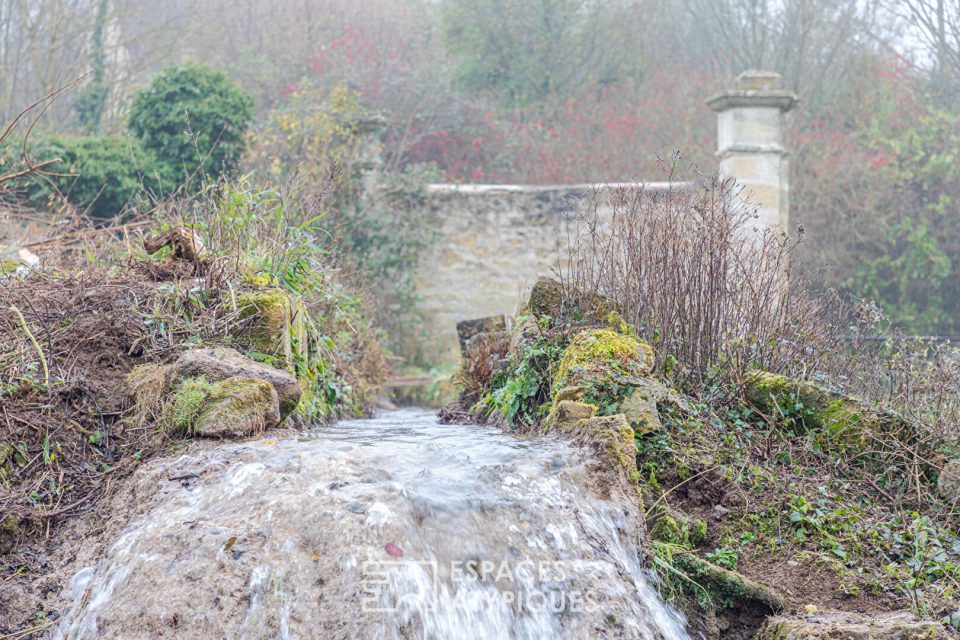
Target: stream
x,y
393,527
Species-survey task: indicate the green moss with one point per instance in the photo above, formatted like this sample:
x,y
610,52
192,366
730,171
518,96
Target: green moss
x,y
614,437
9,533
675,527
839,420
9,266
548,301
269,312
187,403
198,406
727,587
546,298
604,352
234,402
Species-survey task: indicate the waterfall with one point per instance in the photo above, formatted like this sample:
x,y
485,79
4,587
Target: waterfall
x,y
394,527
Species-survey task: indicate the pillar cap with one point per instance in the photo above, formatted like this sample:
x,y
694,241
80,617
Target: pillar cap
x,y
755,88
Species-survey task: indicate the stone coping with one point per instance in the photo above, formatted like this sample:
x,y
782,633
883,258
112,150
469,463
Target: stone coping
x,y
546,188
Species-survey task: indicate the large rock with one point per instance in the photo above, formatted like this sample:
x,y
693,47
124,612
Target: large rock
x,y
469,329
221,363
643,404
549,300
948,484
238,407
546,298
838,419
610,438
610,370
566,414
850,626
601,357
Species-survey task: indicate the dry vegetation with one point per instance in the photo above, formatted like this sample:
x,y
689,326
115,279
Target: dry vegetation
x,y
72,329
817,478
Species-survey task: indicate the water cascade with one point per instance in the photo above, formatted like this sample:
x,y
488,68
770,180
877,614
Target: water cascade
x,y
396,527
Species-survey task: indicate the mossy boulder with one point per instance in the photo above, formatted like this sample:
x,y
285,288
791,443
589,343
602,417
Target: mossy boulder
x,y
851,626
549,300
610,370
230,408
602,356
642,402
269,315
839,420
546,298
221,363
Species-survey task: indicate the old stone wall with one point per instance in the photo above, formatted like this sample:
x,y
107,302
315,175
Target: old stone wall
x,y
492,243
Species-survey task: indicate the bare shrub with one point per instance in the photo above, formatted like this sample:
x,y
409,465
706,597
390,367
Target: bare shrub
x,y
713,294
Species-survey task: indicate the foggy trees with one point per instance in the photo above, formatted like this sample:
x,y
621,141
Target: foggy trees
x,y
571,91
527,52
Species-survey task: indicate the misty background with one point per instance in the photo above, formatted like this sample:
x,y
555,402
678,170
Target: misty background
x,y
562,91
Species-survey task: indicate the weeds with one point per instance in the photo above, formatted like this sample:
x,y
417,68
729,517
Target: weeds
x,y
70,336
712,294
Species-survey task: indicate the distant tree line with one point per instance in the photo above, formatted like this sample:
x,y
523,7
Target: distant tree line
x,y
551,91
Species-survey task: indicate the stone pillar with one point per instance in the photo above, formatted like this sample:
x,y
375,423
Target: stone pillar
x,y
750,130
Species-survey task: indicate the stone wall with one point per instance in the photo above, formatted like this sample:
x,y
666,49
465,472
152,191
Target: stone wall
x,y
493,241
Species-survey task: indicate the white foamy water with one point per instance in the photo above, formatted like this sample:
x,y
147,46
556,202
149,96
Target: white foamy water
x,y
396,527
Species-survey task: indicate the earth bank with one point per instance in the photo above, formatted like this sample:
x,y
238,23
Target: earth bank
x,y
775,513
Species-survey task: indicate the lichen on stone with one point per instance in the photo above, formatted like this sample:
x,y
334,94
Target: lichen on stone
x,y
605,353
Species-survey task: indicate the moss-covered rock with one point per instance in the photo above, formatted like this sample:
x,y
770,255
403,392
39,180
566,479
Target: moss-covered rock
x,y
549,300
221,363
230,408
565,414
610,438
728,586
851,626
569,393
546,298
841,421
642,403
602,356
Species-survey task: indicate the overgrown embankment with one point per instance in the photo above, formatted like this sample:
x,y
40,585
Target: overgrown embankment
x,y
785,496
787,461
116,352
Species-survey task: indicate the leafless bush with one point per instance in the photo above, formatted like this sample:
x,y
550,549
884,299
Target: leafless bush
x,y
712,293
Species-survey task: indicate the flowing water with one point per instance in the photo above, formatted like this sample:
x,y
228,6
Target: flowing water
x,y
396,527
